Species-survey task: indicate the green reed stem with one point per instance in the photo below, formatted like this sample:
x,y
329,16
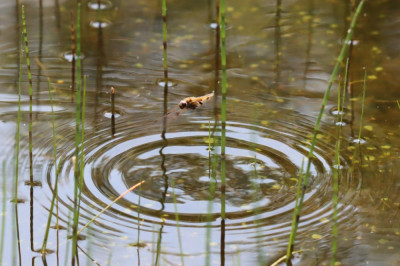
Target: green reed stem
x,y
28,64
256,195
316,128
15,228
82,158
68,233
398,104
336,169
3,218
223,108
357,151
335,203
153,241
213,159
138,217
98,12
58,231
177,220
238,257
138,222
89,262
341,98
296,212
159,240
212,189
17,147
362,106
256,188
346,77
56,172
18,135
109,259
14,222
209,139
164,26
77,137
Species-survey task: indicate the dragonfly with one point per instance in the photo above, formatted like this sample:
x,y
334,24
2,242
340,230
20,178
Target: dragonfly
x,y
189,103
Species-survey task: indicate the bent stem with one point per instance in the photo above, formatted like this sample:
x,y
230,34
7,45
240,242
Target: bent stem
x,y
109,205
316,129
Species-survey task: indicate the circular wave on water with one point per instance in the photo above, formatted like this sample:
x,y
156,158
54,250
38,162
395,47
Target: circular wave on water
x,y
263,161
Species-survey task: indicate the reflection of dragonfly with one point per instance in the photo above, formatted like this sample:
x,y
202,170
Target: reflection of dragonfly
x,y
187,103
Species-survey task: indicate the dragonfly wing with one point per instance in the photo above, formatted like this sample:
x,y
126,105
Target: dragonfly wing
x,y
206,97
173,110
173,114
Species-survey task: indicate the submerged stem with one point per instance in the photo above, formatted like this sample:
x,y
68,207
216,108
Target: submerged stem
x,y
362,107
56,170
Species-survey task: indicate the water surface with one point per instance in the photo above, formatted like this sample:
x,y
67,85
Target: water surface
x,y
279,60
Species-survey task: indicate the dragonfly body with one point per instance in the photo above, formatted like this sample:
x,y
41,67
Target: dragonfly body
x,y
194,102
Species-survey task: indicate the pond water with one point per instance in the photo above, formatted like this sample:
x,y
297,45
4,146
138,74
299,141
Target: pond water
x,y
280,55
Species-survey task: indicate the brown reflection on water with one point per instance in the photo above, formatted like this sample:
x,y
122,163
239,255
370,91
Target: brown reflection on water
x,y
278,52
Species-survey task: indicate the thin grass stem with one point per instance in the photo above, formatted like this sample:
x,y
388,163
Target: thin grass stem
x,y
139,223
73,62
90,261
17,134
238,257
223,130
82,155
109,205
109,259
223,106
256,188
213,161
112,99
17,149
159,241
153,241
336,169
56,170
3,218
296,211
58,232
77,137
68,233
98,12
28,64
177,220
362,107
